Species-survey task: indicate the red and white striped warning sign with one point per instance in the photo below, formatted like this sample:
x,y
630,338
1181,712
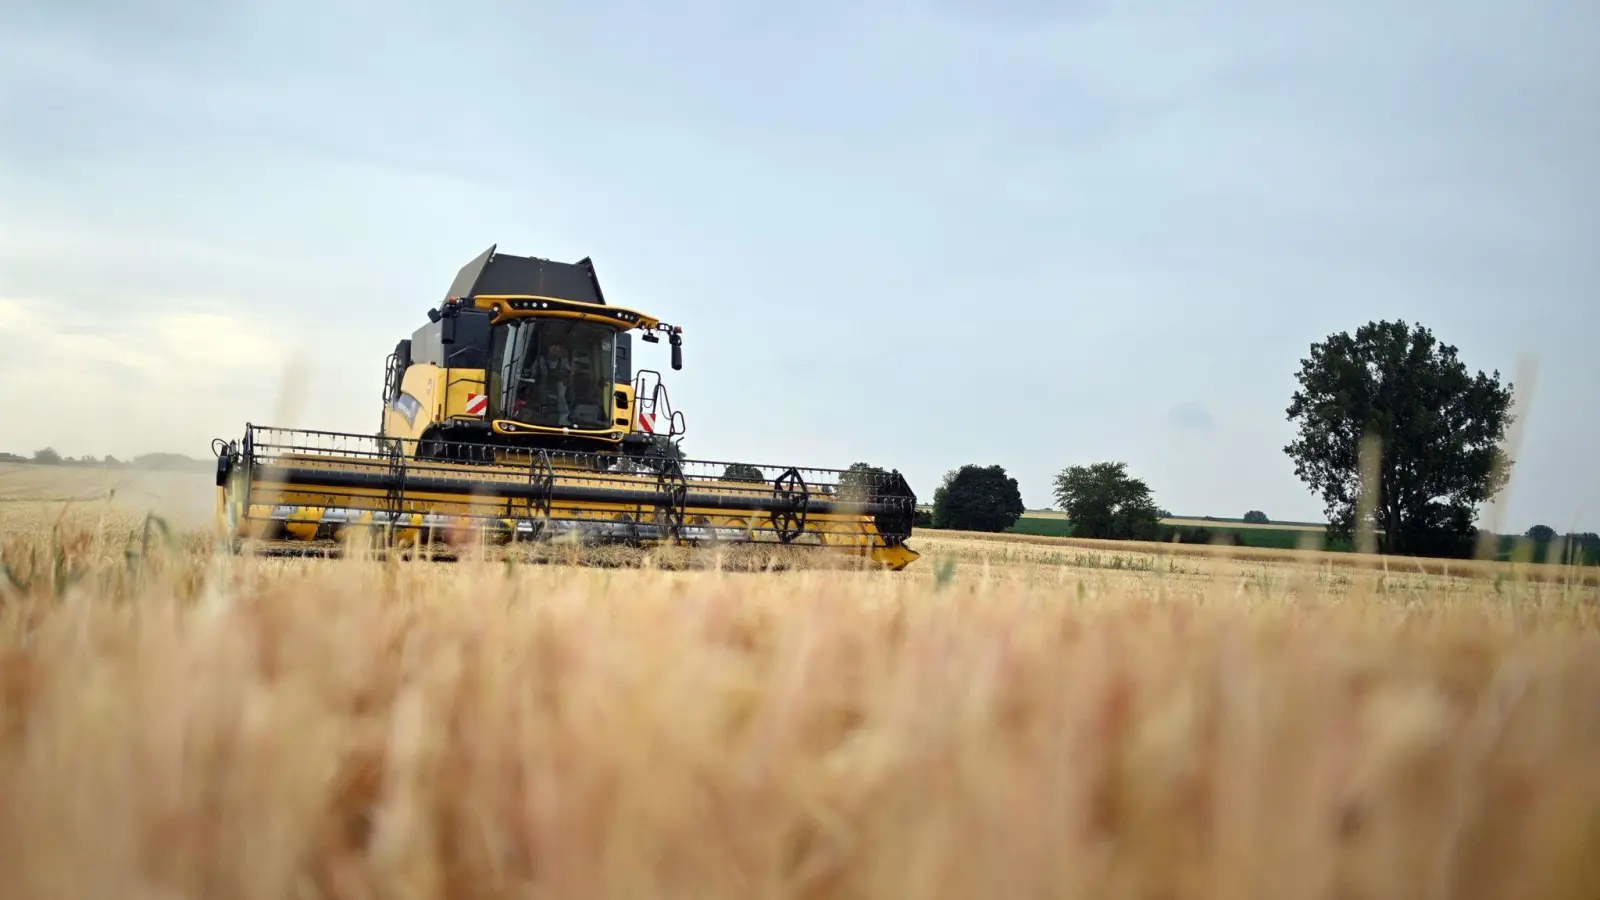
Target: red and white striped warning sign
x,y
647,422
477,404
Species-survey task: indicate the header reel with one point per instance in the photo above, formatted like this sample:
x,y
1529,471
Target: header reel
x,y
313,487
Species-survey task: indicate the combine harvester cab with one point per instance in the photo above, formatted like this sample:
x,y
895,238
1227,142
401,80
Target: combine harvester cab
x,y
515,415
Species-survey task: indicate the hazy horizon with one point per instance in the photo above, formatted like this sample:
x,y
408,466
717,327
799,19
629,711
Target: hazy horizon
x,y
919,236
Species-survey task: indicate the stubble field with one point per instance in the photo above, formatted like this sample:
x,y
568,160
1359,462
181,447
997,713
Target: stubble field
x,y
1008,718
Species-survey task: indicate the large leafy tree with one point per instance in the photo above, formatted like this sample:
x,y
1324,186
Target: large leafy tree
x,y
1434,431
1103,501
977,498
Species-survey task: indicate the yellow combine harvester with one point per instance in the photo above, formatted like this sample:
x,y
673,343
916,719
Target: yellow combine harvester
x,y
515,414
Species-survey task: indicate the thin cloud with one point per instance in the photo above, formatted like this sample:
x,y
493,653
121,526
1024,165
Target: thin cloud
x,y
130,382
1192,416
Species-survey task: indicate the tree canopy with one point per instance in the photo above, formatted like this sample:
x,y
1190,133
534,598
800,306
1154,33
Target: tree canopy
x,y
1103,501
664,446
856,484
743,472
977,498
1257,517
1434,431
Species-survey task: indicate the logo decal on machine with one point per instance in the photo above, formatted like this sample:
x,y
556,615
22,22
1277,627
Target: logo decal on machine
x,y
477,404
408,406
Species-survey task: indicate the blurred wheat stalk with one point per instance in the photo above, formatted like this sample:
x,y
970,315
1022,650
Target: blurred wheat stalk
x,y
174,724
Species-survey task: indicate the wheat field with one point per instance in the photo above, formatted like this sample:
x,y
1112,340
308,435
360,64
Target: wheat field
x,y
1006,719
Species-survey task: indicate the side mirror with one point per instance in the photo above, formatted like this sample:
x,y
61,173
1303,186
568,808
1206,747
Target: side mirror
x,y
677,349
447,327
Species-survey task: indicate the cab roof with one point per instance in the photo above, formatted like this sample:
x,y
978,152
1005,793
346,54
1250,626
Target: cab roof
x,y
501,274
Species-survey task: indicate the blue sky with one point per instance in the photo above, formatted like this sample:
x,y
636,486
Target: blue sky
x,y
919,234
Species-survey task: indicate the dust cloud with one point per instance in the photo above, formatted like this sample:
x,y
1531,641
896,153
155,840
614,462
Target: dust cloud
x,y
185,498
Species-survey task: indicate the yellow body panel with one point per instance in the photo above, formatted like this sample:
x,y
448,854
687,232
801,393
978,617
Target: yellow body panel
x,y
459,387
419,404
622,411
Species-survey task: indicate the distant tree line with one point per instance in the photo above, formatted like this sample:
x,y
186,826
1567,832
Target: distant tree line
x,y
1399,439
50,457
1572,548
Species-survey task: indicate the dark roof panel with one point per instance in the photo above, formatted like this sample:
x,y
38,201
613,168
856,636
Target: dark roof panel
x,y
501,273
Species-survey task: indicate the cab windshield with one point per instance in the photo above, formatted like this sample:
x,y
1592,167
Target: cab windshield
x,y
553,372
